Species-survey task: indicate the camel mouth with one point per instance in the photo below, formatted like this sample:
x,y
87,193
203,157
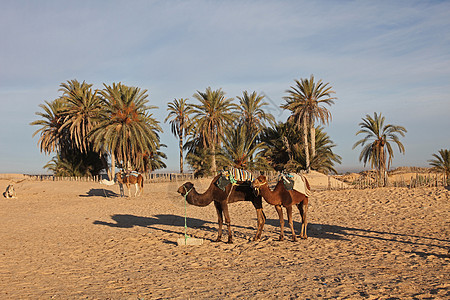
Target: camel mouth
x,y
180,190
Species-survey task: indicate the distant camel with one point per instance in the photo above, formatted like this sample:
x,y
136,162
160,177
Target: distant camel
x,y
10,192
130,178
232,193
282,197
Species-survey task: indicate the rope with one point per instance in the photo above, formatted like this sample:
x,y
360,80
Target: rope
x,y
185,215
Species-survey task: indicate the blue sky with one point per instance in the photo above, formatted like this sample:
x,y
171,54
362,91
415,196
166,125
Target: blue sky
x,y
391,57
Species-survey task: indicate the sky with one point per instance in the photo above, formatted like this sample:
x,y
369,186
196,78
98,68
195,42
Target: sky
x,y
389,57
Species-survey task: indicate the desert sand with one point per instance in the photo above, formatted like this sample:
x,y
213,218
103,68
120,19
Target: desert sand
x,y
79,240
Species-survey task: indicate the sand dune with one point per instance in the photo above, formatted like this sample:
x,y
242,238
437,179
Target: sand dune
x,y
70,240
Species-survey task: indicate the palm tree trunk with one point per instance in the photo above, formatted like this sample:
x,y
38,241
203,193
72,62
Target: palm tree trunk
x,y
181,154
113,166
305,144
313,139
213,163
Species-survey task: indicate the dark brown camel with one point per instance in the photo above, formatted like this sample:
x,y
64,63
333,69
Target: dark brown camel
x,y
127,179
221,200
281,197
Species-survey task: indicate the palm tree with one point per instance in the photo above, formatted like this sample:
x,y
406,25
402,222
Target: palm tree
x,y
252,114
240,149
126,129
442,163
153,161
305,101
279,143
212,116
59,134
179,112
51,138
283,150
325,157
80,113
378,138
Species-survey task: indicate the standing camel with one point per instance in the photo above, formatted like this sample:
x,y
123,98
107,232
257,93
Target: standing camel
x,y
232,193
281,197
127,178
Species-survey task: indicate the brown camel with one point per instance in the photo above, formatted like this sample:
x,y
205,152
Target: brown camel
x,y
232,193
281,197
127,179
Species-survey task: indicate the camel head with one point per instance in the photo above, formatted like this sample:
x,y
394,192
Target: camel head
x,y
259,182
185,188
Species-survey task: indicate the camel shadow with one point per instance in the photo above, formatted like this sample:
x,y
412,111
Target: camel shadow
x,y
130,221
100,193
155,223
336,232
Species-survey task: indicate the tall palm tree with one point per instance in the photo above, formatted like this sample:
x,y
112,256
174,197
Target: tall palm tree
x,y
126,129
377,141
252,114
80,113
305,100
442,163
179,112
51,138
211,117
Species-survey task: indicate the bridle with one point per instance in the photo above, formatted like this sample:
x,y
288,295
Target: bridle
x,y
257,185
186,192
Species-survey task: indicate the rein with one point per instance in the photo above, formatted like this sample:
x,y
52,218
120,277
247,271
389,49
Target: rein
x,y
185,213
186,192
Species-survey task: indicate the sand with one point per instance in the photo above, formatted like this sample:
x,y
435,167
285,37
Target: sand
x,y
79,240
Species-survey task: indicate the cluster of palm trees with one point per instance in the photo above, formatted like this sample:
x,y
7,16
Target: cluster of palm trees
x,y
94,130
86,127
216,132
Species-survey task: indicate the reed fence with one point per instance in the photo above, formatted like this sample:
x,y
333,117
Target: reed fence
x,y
367,182
152,177
419,180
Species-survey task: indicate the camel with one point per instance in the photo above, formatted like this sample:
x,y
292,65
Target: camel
x,y
281,197
133,178
10,192
232,193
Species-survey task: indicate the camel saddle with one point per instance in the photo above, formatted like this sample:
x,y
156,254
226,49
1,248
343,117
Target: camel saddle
x,y
293,181
234,176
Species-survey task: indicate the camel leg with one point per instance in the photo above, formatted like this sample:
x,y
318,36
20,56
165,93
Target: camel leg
x,y
260,216
228,222
280,216
137,189
129,191
219,220
261,221
303,209
121,190
291,222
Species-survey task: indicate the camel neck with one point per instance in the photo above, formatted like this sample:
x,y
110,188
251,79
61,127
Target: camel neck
x,y
197,199
271,197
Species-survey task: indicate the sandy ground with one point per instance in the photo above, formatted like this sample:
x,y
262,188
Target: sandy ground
x,y
79,240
